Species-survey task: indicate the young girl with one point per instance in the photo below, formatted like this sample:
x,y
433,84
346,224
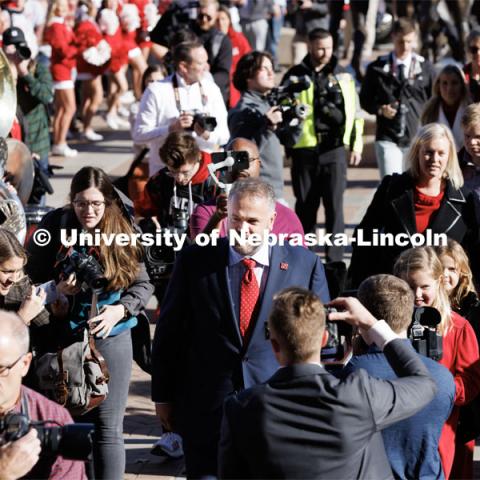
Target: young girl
x,y
458,282
422,270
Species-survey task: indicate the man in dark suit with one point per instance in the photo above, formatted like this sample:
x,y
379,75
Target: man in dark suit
x,y
305,423
210,337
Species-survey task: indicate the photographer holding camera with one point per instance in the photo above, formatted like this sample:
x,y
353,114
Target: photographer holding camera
x,y
254,118
22,454
395,89
173,193
329,428
332,125
411,444
186,101
118,275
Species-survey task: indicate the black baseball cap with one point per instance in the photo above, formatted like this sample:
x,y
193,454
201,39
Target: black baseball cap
x,y
15,36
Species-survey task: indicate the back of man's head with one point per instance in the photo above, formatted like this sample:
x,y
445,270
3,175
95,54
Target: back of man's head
x,y
388,298
297,322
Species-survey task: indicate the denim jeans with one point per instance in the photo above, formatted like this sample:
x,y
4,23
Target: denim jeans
x,y
275,25
390,157
109,449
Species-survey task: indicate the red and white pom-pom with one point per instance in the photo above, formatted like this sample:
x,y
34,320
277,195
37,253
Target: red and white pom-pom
x,y
108,21
151,14
98,55
129,18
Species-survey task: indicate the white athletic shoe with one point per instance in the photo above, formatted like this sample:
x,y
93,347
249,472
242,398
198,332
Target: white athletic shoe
x,y
64,151
92,136
169,444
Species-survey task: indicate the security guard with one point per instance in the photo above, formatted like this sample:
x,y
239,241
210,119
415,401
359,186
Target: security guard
x,y
318,159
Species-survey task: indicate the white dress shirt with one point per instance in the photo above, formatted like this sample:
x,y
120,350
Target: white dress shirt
x,y
158,109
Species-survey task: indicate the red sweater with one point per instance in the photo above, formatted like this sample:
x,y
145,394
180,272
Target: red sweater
x,y
461,357
425,207
64,50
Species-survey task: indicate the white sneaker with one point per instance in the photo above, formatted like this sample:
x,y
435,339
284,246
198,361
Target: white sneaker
x,y
169,444
123,112
127,98
63,151
92,136
122,123
111,120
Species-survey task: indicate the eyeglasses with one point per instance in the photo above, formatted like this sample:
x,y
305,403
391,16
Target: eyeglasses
x,y
83,204
5,371
473,50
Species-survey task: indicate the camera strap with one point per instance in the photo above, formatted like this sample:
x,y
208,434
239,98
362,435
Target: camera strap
x,y
176,92
24,410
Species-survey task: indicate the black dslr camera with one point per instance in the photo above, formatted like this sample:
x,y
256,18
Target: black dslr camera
x,y
205,122
423,332
73,441
160,258
339,347
88,271
283,97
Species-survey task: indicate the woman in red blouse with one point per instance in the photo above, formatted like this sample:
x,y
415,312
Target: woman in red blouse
x,y
63,61
423,271
240,47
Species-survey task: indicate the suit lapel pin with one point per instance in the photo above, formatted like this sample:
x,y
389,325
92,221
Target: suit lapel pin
x,y
283,266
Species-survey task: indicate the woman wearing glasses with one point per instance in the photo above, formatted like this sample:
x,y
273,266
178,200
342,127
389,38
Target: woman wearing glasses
x,y
472,69
97,207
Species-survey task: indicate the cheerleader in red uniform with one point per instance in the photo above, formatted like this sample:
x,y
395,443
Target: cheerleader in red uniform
x,y
148,13
63,62
130,22
110,26
93,55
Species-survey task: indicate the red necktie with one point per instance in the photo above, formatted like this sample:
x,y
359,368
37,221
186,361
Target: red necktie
x,y
249,292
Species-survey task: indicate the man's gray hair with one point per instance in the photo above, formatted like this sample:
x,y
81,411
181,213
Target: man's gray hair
x,y
253,187
12,326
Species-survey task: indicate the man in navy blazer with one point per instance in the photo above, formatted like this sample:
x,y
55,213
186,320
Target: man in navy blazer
x,y
199,355
305,423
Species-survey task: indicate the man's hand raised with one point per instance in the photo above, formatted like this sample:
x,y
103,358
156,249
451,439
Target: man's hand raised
x,y
350,310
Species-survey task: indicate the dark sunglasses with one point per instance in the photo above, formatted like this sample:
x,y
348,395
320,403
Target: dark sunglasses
x,y
204,15
473,50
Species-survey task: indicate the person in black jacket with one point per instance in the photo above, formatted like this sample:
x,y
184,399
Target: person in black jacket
x,y
395,89
427,199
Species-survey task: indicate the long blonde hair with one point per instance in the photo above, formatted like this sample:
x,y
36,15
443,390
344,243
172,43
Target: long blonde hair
x,y
432,107
465,277
426,260
425,134
121,263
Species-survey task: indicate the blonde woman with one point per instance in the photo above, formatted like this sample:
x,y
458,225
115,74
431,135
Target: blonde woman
x,y
428,198
449,100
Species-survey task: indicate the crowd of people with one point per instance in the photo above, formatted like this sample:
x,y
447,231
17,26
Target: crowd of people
x,y
241,381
